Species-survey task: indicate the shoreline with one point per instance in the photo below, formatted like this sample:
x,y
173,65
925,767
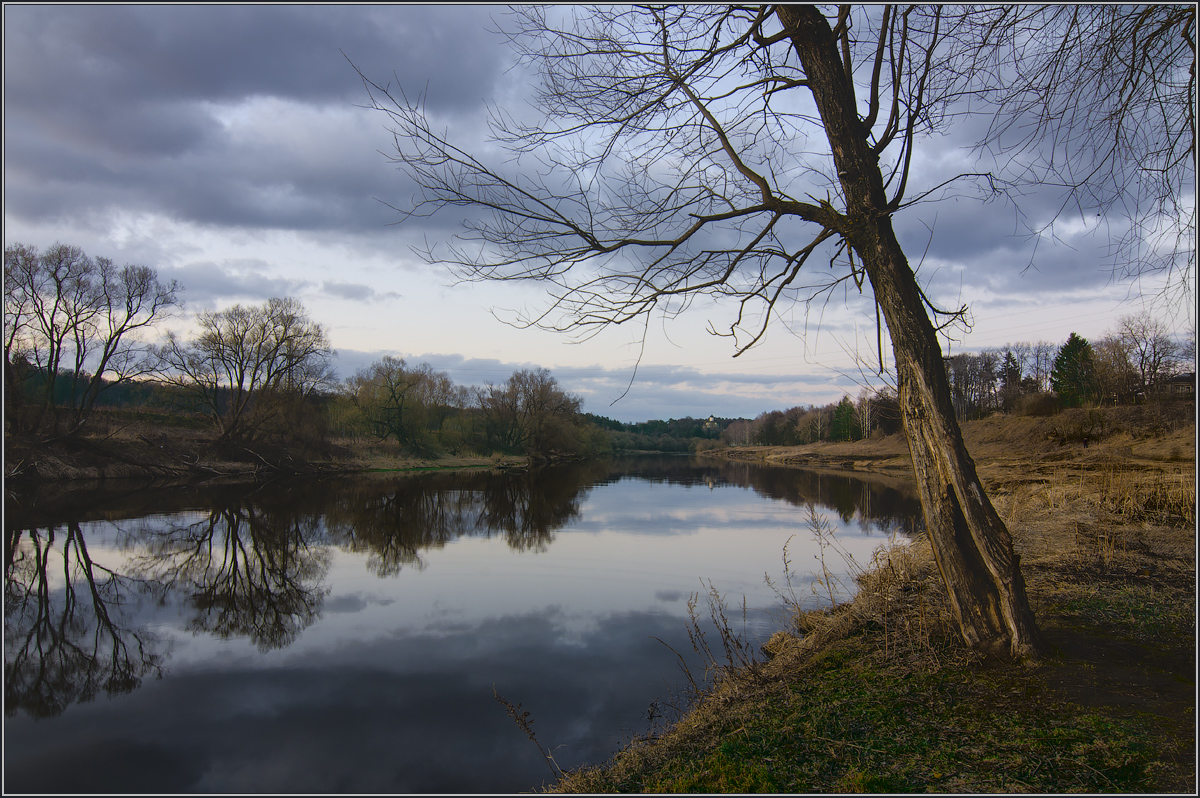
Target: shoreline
x,y
182,461
879,695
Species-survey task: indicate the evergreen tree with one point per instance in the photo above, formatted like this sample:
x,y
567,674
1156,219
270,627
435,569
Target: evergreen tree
x,y
1010,381
842,428
1073,377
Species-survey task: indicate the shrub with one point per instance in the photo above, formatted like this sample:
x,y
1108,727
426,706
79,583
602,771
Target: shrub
x,y
1037,404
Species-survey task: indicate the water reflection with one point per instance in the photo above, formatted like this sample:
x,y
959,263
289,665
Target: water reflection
x,y
395,520
66,633
885,503
245,570
98,585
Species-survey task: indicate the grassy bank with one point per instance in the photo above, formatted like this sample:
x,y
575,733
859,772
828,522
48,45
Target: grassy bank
x,y
140,445
878,695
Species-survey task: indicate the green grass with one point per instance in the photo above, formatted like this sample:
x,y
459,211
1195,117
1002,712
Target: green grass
x,y
1162,614
922,715
856,724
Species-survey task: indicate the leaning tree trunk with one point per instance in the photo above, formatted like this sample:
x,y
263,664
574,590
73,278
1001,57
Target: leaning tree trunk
x,y
970,542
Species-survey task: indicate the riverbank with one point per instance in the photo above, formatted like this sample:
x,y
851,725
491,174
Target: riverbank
x,y
878,695
175,455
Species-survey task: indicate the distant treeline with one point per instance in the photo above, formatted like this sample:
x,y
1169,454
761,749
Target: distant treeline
x,y
1135,362
674,435
78,336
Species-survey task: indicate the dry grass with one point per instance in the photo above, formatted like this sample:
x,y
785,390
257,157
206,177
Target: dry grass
x,y
878,695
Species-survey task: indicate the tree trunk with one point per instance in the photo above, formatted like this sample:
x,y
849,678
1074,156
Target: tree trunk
x,y
970,542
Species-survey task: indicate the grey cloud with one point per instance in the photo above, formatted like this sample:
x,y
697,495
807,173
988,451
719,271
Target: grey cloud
x,y
356,291
204,283
147,53
115,107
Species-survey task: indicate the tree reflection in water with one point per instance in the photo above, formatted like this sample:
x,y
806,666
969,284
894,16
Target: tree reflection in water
x,y
394,520
66,637
251,567
886,504
247,571
252,561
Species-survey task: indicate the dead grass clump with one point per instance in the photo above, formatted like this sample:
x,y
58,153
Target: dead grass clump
x,y
900,600
1164,497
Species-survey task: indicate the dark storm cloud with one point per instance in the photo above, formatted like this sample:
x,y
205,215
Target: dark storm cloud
x,y
129,107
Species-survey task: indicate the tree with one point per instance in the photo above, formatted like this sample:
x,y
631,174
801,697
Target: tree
x,y
1010,381
1043,353
1151,350
409,405
737,433
1074,374
675,160
973,383
530,413
863,412
249,363
842,427
1116,380
75,322
389,396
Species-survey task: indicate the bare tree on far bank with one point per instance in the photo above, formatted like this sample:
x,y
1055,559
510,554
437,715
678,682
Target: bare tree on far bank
x,y
251,369
74,327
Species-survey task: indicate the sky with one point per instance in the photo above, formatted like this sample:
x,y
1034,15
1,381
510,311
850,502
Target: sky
x,y
231,148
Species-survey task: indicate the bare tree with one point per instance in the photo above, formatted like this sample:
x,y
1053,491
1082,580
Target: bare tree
x,y
863,411
1149,347
76,322
529,412
1043,353
715,151
408,404
1098,100
1116,380
247,362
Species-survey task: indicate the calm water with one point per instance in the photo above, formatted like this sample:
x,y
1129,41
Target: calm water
x,y
347,635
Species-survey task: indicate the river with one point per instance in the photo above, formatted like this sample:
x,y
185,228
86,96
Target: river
x,y
351,634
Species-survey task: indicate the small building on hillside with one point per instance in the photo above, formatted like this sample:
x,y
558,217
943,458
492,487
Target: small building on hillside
x,y
1179,385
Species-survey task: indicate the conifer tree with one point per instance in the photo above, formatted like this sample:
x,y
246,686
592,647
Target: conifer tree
x,y
1074,375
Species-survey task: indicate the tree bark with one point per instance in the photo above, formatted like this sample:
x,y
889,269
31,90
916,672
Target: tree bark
x,y
970,542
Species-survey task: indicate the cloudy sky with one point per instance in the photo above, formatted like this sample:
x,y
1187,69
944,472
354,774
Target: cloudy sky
x,y
229,147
